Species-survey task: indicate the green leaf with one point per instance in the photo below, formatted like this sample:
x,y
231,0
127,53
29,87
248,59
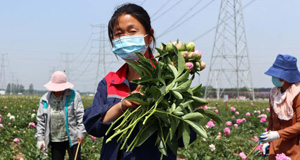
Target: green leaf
x,y
186,135
197,128
163,89
173,107
137,68
173,69
183,105
183,77
175,50
193,116
174,125
184,86
163,116
155,92
173,145
177,95
210,114
162,148
142,57
200,100
181,63
197,88
178,113
137,97
146,132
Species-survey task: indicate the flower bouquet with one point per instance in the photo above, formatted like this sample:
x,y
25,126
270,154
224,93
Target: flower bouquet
x,y
167,101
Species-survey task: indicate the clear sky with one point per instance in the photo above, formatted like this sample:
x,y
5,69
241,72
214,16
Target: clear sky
x,y
37,37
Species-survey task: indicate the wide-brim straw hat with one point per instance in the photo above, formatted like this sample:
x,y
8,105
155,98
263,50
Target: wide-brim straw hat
x,y
58,82
285,67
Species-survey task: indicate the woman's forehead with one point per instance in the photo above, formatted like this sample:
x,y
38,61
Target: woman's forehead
x,y
127,21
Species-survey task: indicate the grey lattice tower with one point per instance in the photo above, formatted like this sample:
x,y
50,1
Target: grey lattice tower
x,y
101,54
230,65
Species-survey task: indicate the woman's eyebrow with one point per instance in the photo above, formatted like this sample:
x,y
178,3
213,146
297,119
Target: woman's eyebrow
x,y
132,26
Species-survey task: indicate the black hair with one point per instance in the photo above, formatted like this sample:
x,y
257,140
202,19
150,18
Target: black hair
x,y
137,12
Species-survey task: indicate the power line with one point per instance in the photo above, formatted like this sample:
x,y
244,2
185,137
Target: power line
x,y
142,2
172,27
83,47
84,71
159,9
167,10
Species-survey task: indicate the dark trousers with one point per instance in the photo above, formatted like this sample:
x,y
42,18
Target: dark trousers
x,y
58,150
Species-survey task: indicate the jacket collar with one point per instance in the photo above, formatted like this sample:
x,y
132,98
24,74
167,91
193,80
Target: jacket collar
x,y
122,73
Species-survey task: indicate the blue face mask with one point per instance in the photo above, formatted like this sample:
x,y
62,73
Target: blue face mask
x,y
126,47
277,82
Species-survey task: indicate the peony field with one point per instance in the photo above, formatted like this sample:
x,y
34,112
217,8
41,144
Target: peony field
x,y
236,137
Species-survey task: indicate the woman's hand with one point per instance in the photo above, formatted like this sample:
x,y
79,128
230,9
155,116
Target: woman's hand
x,y
118,109
80,140
125,104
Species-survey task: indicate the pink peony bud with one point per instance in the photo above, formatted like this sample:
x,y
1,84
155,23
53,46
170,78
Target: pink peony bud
x,y
242,155
248,114
180,46
197,51
202,65
282,156
226,131
210,124
219,136
94,138
16,140
1,125
263,119
9,123
31,124
239,121
216,111
237,112
255,139
268,109
190,65
185,54
232,109
229,123
235,125
5,107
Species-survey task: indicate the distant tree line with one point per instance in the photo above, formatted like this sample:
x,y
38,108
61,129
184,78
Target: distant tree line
x,y
13,88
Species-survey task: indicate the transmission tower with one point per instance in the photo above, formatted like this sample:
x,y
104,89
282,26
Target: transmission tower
x,y
101,53
229,65
2,72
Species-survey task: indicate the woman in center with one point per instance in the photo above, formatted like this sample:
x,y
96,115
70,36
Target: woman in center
x,y
129,32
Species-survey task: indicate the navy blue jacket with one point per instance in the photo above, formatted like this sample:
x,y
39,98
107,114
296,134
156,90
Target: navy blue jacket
x,y
110,91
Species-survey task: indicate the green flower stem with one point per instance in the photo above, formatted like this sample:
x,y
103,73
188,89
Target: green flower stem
x,y
128,127
111,126
128,135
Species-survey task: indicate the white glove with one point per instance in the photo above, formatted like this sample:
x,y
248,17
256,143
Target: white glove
x,y
269,136
40,144
265,148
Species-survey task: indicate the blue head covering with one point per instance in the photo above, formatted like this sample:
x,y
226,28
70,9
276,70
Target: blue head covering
x,y
285,67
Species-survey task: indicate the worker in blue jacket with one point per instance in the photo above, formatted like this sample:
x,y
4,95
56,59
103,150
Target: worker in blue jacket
x,y
129,31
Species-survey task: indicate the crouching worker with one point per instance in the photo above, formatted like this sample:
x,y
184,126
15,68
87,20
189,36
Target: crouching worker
x,y
284,122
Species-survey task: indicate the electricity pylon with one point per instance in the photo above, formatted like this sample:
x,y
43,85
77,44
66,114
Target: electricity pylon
x,y
230,64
